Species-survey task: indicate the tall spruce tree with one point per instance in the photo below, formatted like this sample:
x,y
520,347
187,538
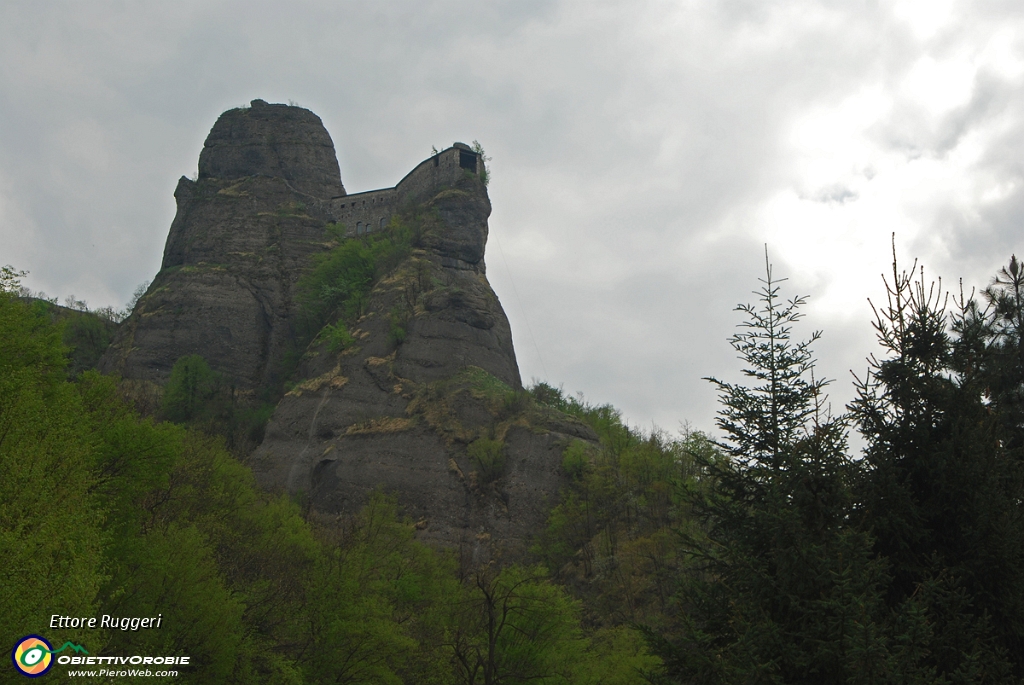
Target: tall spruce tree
x,y
780,588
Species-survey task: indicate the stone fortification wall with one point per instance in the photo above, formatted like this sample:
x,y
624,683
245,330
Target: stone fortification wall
x,y
436,172
365,212
370,211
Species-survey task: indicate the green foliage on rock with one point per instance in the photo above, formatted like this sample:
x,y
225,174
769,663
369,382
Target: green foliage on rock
x,y
398,321
489,457
437,403
576,459
485,173
337,336
338,287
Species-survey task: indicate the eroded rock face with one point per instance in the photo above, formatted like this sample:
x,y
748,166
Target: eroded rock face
x,y
243,234
426,402
280,141
415,416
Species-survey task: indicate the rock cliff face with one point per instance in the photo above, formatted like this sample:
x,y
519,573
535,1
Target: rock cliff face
x,y
421,396
243,234
440,417
278,141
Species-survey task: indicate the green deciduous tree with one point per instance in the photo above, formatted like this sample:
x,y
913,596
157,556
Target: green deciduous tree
x,y
610,538
514,626
50,519
190,388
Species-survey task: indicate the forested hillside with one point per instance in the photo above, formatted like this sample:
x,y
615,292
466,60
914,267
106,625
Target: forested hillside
x,y
105,512
774,555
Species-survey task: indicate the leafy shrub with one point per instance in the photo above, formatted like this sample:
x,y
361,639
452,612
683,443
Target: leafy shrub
x,y
489,457
397,333
337,336
399,320
515,402
485,175
87,337
575,460
338,287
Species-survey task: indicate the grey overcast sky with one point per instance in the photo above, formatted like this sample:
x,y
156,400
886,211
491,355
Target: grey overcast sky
x,y
644,152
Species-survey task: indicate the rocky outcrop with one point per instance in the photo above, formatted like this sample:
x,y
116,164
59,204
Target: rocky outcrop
x,y
244,232
439,416
420,395
279,141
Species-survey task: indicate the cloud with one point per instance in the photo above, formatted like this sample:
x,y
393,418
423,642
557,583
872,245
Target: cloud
x,y
643,154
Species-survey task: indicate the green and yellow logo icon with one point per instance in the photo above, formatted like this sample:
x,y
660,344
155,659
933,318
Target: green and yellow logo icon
x,y
32,655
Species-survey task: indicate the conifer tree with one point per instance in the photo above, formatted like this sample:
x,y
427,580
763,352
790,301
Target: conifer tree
x,y
780,589
1002,330
942,486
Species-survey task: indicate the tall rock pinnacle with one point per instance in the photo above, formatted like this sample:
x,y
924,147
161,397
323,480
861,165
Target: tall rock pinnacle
x,y
243,234
416,390
273,140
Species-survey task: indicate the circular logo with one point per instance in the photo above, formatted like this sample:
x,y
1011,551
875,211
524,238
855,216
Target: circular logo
x,y
32,655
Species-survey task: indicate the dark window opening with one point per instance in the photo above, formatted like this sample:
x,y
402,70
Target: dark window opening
x,y
382,223
437,160
467,160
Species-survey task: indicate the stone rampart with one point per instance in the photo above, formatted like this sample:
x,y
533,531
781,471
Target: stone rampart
x,y
370,211
365,212
436,172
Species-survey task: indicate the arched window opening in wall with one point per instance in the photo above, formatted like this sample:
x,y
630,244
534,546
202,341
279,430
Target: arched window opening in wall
x,y
383,222
359,228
